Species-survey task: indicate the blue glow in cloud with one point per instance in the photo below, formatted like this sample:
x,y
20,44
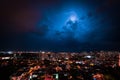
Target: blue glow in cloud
x,y
67,24
73,18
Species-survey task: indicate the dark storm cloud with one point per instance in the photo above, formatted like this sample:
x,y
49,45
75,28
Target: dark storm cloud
x,y
71,25
32,25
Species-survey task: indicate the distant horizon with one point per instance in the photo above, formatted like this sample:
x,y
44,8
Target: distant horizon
x,y
59,51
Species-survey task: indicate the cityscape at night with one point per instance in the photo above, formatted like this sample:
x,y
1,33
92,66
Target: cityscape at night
x,y
60,40
41,65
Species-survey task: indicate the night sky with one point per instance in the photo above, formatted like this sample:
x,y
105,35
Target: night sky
x,y
60,25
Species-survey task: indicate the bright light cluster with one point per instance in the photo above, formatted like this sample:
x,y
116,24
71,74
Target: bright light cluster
x,y
73,18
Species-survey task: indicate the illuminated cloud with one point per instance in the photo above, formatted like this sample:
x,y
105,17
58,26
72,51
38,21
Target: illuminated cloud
x,y
60,25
